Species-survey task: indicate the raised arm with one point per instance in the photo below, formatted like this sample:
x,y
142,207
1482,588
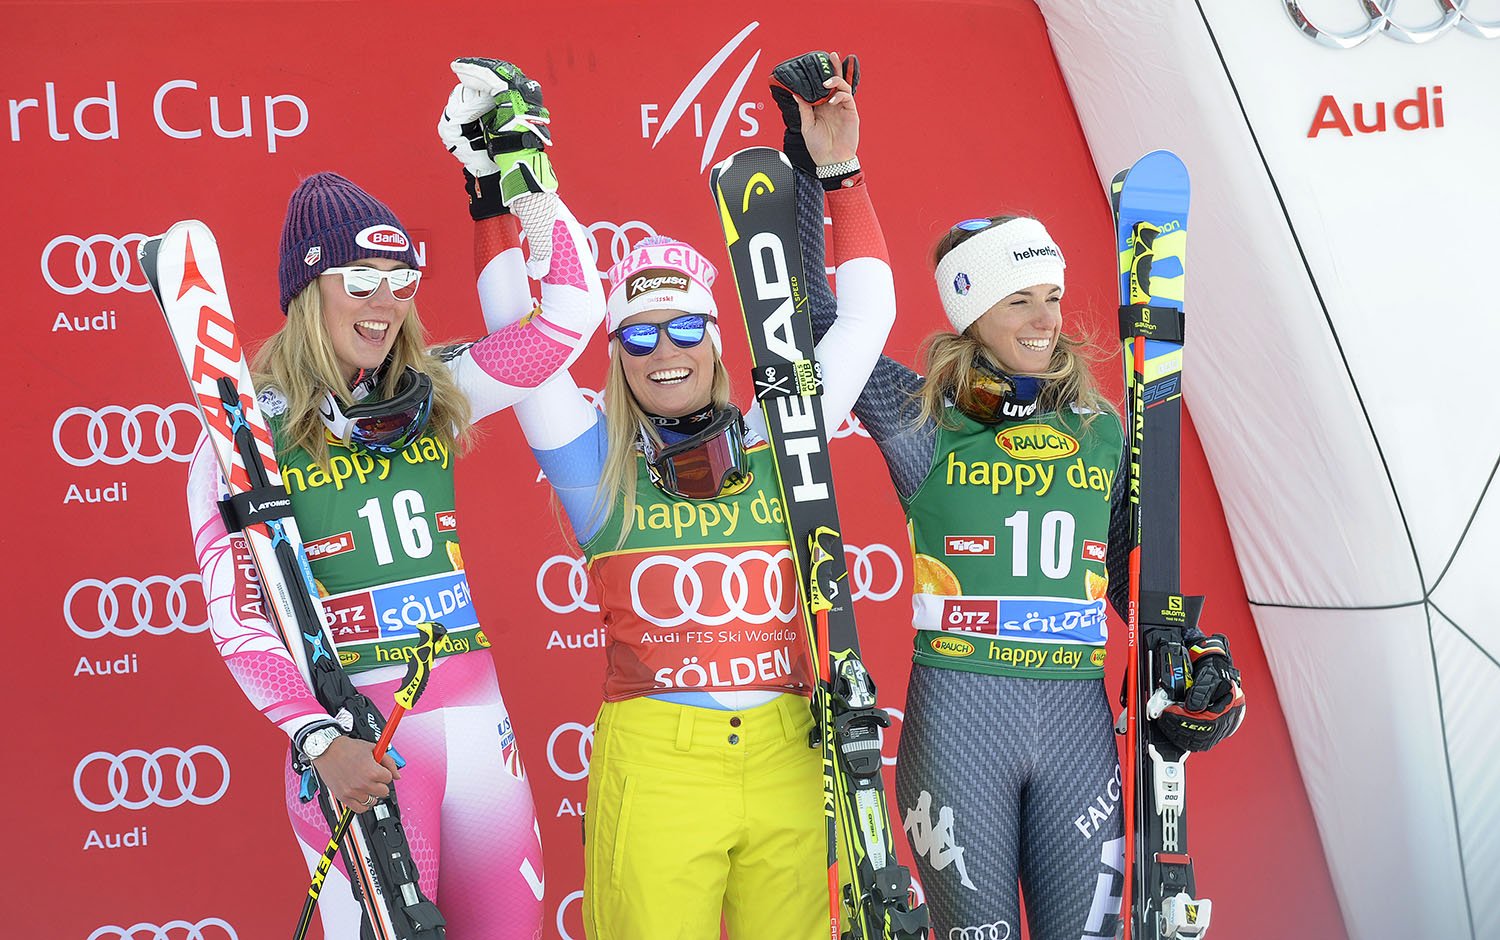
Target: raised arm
x,y
508,192
865,307
886,404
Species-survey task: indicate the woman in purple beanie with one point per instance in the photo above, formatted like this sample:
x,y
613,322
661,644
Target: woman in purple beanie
x,y
368,422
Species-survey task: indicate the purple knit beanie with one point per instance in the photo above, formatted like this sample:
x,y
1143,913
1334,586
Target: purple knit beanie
x,y
331,222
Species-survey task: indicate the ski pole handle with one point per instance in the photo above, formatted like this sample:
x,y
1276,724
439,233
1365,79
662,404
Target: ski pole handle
x,y
418,671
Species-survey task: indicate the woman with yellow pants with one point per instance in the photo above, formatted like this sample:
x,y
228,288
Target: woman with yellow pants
x,y
705,798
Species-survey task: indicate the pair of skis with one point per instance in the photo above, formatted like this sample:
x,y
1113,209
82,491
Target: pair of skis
x,y
754,191
1150,203
187,278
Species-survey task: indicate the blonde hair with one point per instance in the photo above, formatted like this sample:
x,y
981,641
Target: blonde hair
x,y
298,361
950,371
624,422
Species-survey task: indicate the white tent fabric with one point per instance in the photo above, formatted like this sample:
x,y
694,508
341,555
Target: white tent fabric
x,y
1343,323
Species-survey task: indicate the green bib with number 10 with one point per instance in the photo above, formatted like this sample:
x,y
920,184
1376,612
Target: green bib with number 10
x,y
1009,531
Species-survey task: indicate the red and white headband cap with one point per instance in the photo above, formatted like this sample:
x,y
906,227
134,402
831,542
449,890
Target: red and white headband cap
x,y
661,273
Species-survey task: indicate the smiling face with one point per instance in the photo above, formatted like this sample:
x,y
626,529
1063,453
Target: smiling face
x,y
1020,332
362,331
672,381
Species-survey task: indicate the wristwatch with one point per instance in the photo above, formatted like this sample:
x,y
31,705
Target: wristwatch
x,y
318,741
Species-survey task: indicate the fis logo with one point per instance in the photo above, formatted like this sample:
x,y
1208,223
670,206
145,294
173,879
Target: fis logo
x,y
729,106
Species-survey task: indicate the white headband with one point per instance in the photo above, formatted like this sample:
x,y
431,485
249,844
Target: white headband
x,y
660,273
988,267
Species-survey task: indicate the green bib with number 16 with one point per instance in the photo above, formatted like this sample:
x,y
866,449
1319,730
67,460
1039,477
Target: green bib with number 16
x,y
382,538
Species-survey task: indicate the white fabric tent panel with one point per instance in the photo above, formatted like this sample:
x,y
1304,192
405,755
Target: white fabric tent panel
x,y
1466,592
1341,324
1470,686
1268,393
1370,746
1399,230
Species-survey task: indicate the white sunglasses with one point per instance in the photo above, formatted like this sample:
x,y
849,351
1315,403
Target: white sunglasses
x,y
361,283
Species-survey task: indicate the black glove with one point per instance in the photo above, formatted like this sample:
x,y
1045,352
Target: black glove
x,y
1214,704
804,76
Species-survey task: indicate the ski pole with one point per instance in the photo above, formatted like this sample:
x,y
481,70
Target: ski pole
x,y
418,669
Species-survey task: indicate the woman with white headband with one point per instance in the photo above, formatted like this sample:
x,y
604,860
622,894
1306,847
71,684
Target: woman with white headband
x,y
704,799
1008,462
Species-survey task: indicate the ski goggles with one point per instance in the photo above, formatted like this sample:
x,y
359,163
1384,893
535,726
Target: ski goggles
x,y
995,397
686,331
705,465
388,425
361,283
974,225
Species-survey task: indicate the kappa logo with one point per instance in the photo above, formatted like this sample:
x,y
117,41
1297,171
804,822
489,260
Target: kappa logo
x,y
968,545
730,106
383,238
936,842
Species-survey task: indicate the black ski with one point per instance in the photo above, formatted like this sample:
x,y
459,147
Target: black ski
x,y
754,191
1150,202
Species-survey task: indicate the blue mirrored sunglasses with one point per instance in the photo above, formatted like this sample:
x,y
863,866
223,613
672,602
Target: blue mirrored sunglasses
x,y
686,331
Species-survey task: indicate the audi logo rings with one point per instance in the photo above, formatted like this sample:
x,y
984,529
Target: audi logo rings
x,y
114,274
172,930
778,589
99,444
620,241
862,571
577,586
584,751
1379,18
141,596
999,930
136,779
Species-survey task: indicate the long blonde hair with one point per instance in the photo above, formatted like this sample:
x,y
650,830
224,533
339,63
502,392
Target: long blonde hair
x,y
950,372
624,422
298,361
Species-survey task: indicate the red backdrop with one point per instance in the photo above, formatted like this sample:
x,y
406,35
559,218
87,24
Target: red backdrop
x,y
123,119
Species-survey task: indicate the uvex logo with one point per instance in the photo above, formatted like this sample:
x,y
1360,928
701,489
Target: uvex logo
x,y
383,238
731,105
968,545
1418,112
654,279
